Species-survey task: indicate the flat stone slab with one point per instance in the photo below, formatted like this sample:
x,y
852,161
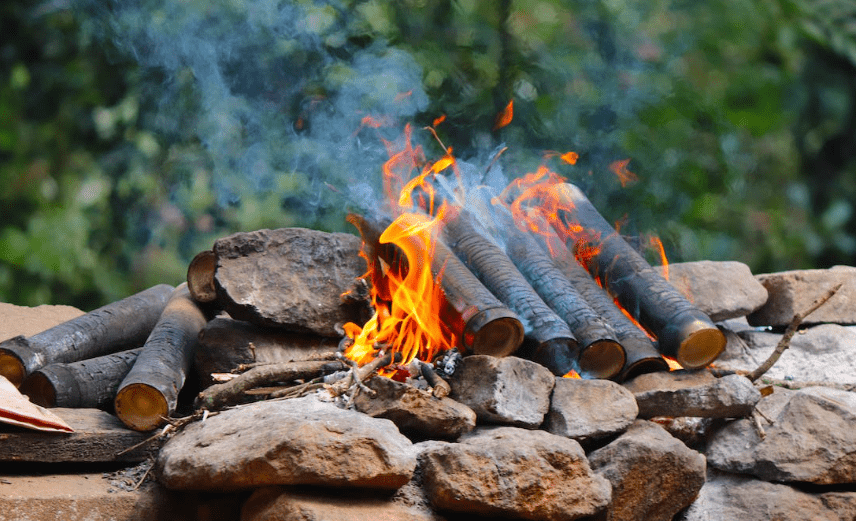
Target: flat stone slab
x,y
721,289
286,442
727,397
812,439
792,292
508,471
589,409
508,391
653,475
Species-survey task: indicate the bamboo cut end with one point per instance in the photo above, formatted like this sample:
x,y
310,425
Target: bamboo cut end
x,y
141,407
40,390
654,364
602,359
489,333
200,276
12,368
700,347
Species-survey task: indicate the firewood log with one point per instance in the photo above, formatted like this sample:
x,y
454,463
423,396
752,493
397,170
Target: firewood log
x,y
86,384
115,327
149,392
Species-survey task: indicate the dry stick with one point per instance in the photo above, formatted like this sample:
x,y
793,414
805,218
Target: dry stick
x,y
88,383
228,393
115,327
440,387
683,332
361,374
785,341
149,393
554,345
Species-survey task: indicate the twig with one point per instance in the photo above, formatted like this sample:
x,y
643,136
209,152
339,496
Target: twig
x,y
140,482
173,424
361,374
756,420
440,387
785,342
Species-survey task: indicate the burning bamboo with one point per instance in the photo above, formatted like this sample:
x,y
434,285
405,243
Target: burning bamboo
x,y
88,383
683,332
115,327
483,323
149,392
555,345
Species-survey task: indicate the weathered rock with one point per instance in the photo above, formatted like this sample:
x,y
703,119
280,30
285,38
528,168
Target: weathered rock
x,y
290,277
816,354
305,504
726,496
811,440
691,430
792,292
589,409
669,381
726,397
722,290
225,343
290,442
653,475
417,413
508,390
508,471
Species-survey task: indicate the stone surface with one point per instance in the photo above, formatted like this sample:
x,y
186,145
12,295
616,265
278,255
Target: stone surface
x,y
812,440
304,504
289,442
417,413
653,475
821,353
726,496
722,290
726,397
508,390
508,471
289,277
589,409
669,381
792,292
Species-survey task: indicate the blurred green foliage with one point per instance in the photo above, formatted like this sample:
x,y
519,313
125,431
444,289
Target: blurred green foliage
x,y
132,136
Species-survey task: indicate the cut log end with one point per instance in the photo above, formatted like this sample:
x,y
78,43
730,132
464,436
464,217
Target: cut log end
x,y
653,364
40,390
12,368
602,359
200,277
496,332
702,344
141,407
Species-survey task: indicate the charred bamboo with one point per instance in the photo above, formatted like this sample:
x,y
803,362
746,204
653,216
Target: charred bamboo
x,y
554,345
118,326
482,322
86,384
149,392
683,332
200,276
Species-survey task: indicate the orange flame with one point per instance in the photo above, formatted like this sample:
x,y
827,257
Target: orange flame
x,y
657,244
504,117
572,374
438,120
570,157
625,176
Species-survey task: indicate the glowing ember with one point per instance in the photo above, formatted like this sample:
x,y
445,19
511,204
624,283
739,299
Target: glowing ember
x,y
572,374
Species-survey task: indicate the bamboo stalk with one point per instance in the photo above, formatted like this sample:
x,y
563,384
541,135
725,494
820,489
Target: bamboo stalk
x,y
149,393
86,384
200,276
118,326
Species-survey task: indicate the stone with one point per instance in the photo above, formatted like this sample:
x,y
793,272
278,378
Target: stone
x,y
721,289
811,440
289,442
820,354
514,472
727,496
417,413
653,475
727,397
589,409
792,292
509,391
669,381
291,278
307,504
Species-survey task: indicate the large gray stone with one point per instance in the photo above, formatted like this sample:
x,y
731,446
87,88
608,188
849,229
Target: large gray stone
x,y
726,397
509,390
589,409
653,475
812,440
508,471
792,292
722,290
290,442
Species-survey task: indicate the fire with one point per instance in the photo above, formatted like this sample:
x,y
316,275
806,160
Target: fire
x,y
572,374
657,244
625,176
504,117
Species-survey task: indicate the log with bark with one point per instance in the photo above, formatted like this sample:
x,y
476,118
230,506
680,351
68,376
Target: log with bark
x,y
86,384
149,393
118,326
682,331
483,323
